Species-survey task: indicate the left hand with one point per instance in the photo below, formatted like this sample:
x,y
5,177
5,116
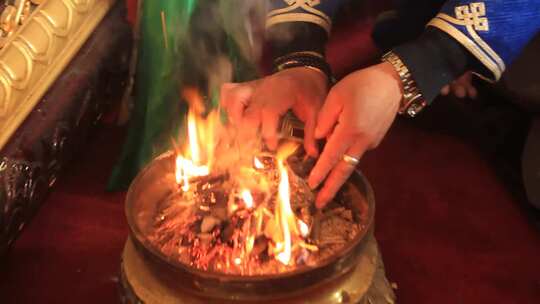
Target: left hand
x,y
259,104
461,87
356,115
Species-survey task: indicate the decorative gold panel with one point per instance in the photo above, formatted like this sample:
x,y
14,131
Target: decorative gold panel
x,y
35,55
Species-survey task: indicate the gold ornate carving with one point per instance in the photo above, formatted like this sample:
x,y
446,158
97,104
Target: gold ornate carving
x,y
38,51
13,15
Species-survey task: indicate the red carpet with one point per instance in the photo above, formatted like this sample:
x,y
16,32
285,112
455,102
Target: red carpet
x,y
449,230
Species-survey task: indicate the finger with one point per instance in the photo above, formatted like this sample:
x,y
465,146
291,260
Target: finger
x,y
339,175
472,92
269,127
445,90
310,143
250,122
467,77
328,115
337,144
459,90
235,98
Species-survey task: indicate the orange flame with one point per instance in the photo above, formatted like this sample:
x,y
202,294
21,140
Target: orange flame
x,y
193,138
283,212
196,159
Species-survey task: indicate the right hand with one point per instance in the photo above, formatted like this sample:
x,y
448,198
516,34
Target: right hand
x,y
355,117
261,103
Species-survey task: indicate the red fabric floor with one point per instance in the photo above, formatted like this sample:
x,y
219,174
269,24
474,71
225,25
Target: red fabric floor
x,y
449,230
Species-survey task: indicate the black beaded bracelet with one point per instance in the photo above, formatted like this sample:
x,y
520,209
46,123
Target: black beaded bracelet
x,y
304,59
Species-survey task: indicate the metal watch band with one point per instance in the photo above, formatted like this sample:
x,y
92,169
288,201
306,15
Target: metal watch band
x,y
412,102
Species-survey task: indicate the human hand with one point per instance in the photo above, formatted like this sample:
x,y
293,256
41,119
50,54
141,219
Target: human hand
x,y
356,115
461,87
261,103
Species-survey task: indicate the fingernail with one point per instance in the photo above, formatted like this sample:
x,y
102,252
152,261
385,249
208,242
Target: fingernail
x,y
312,151
312,183
271,143
318,133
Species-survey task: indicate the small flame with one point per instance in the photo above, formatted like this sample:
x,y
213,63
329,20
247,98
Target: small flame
x,y
237,261
257,163
193,138
185,169
250,241
284,213
304,229
247,198
196,159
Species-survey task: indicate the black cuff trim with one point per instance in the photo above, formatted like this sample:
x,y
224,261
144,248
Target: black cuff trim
x,y
292,37
434,60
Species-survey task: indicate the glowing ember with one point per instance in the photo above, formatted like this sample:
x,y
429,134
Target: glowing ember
x,y
304,229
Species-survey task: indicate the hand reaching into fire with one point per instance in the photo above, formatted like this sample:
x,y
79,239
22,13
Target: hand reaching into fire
x,y
356,115
261,103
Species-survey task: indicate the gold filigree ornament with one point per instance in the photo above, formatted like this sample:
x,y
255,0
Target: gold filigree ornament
x,y
13,15
38,39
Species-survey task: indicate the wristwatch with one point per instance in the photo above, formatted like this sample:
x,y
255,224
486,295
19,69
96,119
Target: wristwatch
x,y
412,101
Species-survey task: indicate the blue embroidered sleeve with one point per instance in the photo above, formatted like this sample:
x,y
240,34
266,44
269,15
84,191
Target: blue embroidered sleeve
x,y
494,31
319,12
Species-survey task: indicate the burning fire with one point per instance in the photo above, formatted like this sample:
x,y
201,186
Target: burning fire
x,y
285,215
283,212
250,192
196,161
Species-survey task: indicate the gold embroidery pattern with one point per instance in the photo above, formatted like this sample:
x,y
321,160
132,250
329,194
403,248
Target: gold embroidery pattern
x,y
470,45
473,18
311,14
311,3
473,15
38,51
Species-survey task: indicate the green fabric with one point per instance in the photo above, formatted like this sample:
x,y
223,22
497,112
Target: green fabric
x,y
198,32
